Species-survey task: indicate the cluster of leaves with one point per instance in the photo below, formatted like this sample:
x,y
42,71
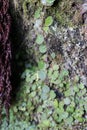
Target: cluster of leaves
x,y
47,98
5,55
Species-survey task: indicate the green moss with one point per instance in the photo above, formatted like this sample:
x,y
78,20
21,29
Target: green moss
x,y
63,12
60,18
25,7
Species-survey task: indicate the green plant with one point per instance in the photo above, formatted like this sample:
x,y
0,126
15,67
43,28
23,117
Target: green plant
x,y
47,2
47,98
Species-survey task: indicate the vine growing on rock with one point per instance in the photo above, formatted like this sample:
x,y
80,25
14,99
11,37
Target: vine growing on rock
x,y
5,56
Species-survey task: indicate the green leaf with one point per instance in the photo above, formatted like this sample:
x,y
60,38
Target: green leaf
x,y
32,94
41,64
42,75
40,109
45,89
50,1
48,21
52,94
64,115
50,71
55,103
81,92
69,121
34,87
37,13
29,104
61,105
22,108
44,96
76,78
46,123
67,93
81,86
64,73
53,55
55,67
46,29
76,88
47,2
67,101
55,74
15,109
28,78
70,109
43,48
39,39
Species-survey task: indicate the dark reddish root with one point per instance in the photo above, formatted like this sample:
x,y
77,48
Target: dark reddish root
x,y
5,56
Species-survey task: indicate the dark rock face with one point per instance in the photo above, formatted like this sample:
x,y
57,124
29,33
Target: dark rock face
x,y
5,55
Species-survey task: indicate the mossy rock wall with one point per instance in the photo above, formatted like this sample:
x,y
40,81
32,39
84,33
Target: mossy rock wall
x,y
49,92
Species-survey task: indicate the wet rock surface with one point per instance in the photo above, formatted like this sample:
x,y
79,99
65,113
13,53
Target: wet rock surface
x,y
66,39
73,50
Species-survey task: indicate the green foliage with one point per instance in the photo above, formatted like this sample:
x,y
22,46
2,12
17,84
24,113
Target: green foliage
x,y
48,21
53,55
67,101
39,39
37,13
43,48
38,102
42,75
47,99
